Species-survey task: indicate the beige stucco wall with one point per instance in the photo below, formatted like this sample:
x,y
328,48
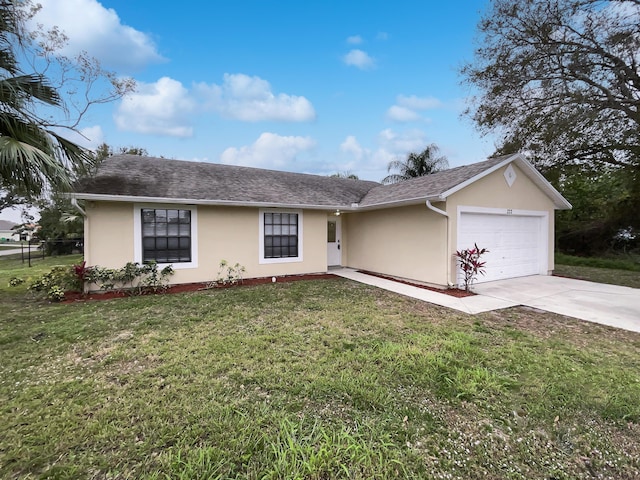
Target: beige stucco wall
x,y
407,242
493,191
108,234
229,233
232,234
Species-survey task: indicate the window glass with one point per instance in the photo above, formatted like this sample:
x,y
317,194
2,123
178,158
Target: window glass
x,y
166,235
280,235
331,232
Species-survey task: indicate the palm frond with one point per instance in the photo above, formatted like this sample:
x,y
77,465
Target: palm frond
x,y
416,165
32,159
14,91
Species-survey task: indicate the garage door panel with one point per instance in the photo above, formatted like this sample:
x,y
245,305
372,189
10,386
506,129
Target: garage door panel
x,y
515,243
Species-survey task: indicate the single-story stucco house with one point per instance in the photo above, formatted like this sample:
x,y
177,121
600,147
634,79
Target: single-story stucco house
x,y
193,215
7,234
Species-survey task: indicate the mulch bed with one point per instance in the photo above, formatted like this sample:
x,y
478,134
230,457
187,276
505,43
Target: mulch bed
x,y
453,292
72,297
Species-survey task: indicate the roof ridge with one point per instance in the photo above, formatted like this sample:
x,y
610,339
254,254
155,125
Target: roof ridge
x,y
231,166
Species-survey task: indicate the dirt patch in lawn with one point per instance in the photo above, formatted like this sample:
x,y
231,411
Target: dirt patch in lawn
x,y
453,292
71,297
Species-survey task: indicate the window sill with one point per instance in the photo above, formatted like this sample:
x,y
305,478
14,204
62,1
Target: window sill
x,y
178,266
280,260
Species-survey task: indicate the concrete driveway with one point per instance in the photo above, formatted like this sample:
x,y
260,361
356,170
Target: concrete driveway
x,y
595,302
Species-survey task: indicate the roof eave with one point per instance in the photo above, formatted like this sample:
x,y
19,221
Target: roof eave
x,y
191,201
401,203
559,201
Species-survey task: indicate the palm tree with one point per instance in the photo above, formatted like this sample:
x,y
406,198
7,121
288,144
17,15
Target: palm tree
x,y
417,165
33,157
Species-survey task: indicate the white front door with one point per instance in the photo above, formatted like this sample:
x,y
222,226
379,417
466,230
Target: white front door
x,y
334,236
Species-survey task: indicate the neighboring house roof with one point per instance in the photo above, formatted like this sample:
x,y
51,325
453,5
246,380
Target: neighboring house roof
x,y
6,224
135,178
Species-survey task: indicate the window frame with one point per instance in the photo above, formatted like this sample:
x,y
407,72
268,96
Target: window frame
x,y
261,257
137,233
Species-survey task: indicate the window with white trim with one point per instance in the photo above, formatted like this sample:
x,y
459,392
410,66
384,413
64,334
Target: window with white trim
x,y
280,236
166,235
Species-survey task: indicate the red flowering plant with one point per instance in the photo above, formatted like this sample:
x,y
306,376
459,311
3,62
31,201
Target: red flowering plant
x,y
470,264
80,273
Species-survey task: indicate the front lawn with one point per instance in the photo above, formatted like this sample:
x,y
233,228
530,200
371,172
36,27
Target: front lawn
x,y
316,379
623,271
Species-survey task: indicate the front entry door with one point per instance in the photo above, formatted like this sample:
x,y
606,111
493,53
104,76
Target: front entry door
x,y
334,248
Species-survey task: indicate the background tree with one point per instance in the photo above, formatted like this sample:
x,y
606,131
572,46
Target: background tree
x,y
346,174
35,156
416,165
61,226
104,151
560,79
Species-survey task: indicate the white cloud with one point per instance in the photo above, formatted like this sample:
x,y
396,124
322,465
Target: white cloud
x,y
407,107
355,40
418,103
360,59
404,142
93,136
397,113
351,147
268,151
97,30
250,99
161,108
390,145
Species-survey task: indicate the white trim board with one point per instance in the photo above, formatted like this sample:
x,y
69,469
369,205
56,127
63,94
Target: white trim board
x,y
137,233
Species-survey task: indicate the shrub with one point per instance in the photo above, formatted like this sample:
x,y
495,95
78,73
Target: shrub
x,y
470,264
80,272
55,282
133,278
15,281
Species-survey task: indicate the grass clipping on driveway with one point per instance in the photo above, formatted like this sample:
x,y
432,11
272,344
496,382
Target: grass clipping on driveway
x,y
317,379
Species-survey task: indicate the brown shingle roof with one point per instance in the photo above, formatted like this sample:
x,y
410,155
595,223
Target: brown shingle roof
x,y
428,186
148,178
136,176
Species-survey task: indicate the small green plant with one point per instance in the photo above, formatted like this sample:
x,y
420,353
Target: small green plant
x,y
470,264
55,293
55,283
15,281
154,279
228,275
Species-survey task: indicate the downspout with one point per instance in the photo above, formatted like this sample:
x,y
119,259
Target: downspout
x,y
446,215
74,202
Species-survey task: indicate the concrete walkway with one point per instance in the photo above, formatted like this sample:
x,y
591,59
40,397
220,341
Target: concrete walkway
x,y
473,304
611,305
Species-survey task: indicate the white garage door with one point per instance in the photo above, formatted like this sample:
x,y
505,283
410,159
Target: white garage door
x,y
517,243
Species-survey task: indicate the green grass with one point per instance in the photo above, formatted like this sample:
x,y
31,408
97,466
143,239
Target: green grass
x,y
318,379
622,270
619,262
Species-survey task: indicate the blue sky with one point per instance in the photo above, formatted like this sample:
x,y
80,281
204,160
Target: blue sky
x,y
315,86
